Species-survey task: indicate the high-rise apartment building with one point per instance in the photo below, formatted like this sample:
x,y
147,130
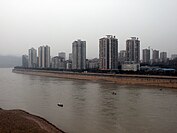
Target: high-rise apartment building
x,y
173,56
79,54
108,52
70,57
44,56
133,50
62,55
155,56
24,60
32,58
163,57
146,56
122,56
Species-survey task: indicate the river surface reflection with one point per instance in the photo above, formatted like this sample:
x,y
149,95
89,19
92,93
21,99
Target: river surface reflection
x,y
90,107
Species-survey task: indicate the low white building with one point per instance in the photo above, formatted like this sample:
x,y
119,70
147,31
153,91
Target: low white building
x,y
68,65
130,67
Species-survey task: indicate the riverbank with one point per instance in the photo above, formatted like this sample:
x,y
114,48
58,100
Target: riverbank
x,y
124,79
19,121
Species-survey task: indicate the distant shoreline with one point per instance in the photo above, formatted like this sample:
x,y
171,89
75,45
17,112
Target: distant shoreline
x,y
124,79
22,121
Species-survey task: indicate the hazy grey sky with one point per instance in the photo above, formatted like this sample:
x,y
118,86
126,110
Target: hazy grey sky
x,y
57,23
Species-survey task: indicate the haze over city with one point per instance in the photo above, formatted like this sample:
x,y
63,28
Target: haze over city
x,y
88,66
26,24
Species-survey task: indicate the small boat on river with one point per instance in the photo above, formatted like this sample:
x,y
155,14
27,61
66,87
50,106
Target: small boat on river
x,y
60,104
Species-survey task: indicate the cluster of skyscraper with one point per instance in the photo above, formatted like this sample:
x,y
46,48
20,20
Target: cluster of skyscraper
x,y
77,60
34,61
155,56
108,53
109,58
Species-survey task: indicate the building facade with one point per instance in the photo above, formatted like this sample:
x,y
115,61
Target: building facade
x,y
122,56
130,67
79,54
92,63
155,56
173,56
58,63
32,58
108,53
44,57
68,65
133,50
24,60
62,55
163,57
70,57
146,56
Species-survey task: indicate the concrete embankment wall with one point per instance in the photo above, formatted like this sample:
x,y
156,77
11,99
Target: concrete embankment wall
x,y
161,81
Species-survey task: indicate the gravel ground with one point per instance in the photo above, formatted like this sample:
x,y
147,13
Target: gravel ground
x,y
19,121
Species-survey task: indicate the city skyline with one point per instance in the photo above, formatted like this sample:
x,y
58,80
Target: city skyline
x,y
26,24
128,59
140,53
97,53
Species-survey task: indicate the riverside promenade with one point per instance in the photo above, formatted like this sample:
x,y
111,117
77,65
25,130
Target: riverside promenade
x,y
123,79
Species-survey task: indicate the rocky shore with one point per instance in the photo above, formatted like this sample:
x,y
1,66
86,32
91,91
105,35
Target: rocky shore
x,y
19,121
